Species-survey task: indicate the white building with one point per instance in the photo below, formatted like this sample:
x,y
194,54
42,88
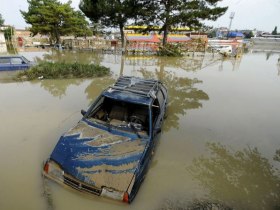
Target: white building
x,y
3,46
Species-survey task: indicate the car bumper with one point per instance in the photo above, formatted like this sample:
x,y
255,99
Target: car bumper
x,y
54,172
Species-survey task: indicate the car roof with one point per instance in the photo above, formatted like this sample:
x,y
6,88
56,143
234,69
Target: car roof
x,y
11,56
133,89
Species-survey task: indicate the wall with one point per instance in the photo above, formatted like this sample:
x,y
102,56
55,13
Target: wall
x,y
3,47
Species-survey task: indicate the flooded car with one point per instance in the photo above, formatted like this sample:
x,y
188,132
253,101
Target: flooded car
x,y
14,63
108,152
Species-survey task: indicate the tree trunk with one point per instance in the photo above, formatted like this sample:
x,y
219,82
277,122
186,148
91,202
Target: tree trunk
x,y
122,34
166,24
57,36
165,35
122,65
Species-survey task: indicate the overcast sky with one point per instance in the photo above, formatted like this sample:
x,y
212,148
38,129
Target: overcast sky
x,y
249,14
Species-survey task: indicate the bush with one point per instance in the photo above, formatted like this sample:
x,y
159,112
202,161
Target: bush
x,y
49,70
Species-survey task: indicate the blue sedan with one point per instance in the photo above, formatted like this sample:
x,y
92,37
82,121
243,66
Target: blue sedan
x,y
108,152
14,63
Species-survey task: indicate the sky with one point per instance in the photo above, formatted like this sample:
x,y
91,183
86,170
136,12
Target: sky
x,y
248,14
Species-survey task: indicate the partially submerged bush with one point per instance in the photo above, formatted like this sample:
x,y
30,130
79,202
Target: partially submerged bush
x,y
49,70
171,50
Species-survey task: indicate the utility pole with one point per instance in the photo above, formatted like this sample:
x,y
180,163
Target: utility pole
x,y
231,18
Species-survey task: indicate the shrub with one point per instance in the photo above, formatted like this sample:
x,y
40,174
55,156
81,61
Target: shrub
x,y
49,70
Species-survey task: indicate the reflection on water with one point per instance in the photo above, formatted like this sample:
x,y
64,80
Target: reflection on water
x,y
58,87
192,205
186,63
47,194
182,93
278,66
234,62
97,86
208,102
71,56
277,155
243,179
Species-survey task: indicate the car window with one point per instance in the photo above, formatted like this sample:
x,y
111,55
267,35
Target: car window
x,y
155,110
16,61
160,97
163,90
4,60
25,59
97,106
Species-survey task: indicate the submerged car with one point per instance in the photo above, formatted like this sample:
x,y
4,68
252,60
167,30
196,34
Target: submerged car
x,y
108,152
14,62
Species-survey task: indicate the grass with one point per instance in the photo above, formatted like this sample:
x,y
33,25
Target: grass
x,y
59,70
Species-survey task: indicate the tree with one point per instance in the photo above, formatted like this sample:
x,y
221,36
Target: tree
x,y
97,28
274,32
111,13
1,20
8,33
175,13
50,17
248,35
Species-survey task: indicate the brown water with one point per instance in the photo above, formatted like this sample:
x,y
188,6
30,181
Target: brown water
x,y
219,147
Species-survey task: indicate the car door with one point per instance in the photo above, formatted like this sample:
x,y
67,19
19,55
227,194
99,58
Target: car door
x,y
18,64
5,64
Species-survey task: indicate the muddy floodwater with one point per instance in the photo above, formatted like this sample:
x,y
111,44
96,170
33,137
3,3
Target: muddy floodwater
x,y
219,148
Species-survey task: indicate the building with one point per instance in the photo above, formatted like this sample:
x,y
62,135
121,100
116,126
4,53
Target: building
x,y
3,46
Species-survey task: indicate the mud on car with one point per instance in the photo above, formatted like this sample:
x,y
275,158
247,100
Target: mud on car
x,y
107,153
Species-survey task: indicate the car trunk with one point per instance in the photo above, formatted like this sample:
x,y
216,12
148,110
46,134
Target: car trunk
x,y
99,158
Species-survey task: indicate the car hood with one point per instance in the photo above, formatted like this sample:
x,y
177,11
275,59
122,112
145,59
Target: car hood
x,y
98,157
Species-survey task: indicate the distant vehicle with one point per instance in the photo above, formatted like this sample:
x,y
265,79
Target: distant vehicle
x,y
14,62
107,153
223,49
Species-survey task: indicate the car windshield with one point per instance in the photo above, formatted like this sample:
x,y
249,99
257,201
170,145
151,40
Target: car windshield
x,y
122,115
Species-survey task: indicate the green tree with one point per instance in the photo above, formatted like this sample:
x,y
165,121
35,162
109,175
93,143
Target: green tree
x,y
111,13
1,20
97,28
8,33
175,13
248,35
274,32
50,17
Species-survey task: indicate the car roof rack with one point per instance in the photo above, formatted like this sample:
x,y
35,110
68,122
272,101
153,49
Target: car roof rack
x,y
140,86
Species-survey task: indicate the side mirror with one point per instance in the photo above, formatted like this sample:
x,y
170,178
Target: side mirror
x,y
83,112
